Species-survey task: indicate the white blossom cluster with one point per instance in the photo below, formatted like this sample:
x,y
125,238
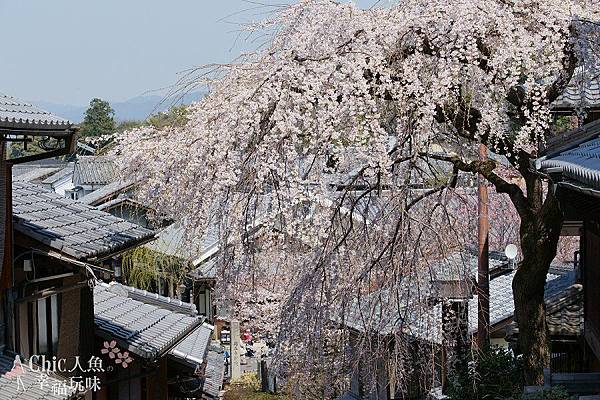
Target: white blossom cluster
x,y
318,141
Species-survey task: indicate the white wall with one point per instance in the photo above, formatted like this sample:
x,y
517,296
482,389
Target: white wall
x,y
66,183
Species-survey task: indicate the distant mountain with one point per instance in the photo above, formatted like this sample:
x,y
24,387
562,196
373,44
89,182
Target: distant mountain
x,y
137,108
72,113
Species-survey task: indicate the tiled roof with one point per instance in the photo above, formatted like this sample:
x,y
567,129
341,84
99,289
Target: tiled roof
x,y
106,192
94,170
214,372
150,326
583,91
19,169
579,160
193,348
31,389
171,241
35,174
160,301
415,317
70,227
565,315
144,329
15,113
66,171
206,270
502,300
122,201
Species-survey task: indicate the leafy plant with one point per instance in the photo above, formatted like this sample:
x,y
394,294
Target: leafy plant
x,y
494,373
555,393
248,388
99,119
564,123
143,268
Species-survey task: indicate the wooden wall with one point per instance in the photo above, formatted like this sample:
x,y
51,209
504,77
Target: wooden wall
x,y
591,276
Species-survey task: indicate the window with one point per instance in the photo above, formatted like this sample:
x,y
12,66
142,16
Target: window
x,y
75,193
38,324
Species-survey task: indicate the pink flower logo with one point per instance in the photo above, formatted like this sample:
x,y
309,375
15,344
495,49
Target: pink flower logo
x,y
124,359
111,349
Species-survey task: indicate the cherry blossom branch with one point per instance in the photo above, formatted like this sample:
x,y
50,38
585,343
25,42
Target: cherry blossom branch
x,y
486,169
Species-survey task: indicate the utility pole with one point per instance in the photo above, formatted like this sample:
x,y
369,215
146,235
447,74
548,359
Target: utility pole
x,y
483,265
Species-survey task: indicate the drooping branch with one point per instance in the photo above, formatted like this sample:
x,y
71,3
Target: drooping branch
x,y
486,169
340,81
569,62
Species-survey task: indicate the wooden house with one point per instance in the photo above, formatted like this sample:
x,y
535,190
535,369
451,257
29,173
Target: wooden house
x,y
171,354
421,323
572,162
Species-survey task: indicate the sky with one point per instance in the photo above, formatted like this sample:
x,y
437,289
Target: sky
x,y
69,51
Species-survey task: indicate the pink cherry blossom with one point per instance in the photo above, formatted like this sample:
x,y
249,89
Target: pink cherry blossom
x,y
111,349
124,359
328,159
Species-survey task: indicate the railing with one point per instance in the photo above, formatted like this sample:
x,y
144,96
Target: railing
x,y
579,383
567,359
574,382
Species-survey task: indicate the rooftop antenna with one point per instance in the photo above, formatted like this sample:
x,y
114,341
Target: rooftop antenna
x,y
511,253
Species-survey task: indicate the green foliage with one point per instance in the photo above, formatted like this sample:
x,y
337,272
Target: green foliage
x,y
564,123
129,125
494,373
143,268
248,388
17,149
555,393
99,119
436,177
176,116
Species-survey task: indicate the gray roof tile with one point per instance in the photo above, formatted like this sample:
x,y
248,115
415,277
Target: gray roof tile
x,y
70,227
106,192
145,329
34,174
206,270
214,372
9,387
17,113
172,241
62,173
148,325
414,315
583,91
94,170
580,164
193,348
161,301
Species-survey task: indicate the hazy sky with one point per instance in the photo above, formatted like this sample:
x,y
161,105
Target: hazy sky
x,y
68,51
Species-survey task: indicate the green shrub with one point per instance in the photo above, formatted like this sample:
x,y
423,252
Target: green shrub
x,y
492,374
555,393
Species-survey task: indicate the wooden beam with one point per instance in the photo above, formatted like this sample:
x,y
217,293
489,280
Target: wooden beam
x,y
35,157
48,293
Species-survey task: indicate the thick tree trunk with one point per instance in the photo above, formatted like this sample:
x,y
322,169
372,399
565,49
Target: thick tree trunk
x,y
530,313
539,233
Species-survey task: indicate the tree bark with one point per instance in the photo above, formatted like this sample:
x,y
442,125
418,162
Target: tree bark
x,y
541,222
539,234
